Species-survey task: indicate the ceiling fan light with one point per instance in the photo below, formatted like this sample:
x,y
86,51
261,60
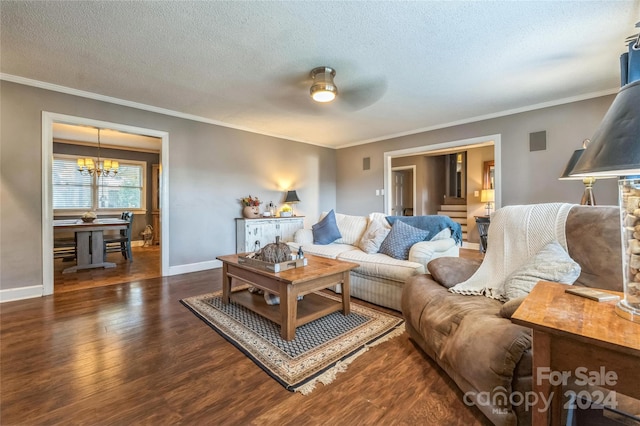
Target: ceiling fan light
x,y
322,94
323,88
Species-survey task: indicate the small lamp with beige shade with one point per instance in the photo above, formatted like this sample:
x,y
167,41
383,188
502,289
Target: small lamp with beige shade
x,y
488,196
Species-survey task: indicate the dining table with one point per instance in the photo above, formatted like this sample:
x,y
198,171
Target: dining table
x,y
89,240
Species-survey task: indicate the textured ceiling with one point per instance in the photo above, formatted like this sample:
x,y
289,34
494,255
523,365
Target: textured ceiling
x,y
401,67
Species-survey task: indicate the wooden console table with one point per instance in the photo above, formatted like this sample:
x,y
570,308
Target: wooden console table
x,y
571,333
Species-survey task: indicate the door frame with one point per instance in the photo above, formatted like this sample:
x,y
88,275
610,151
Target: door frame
x,y
48,119
413,189
495,140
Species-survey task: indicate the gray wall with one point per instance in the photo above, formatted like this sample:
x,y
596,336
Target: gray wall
x,y
527,177
210,168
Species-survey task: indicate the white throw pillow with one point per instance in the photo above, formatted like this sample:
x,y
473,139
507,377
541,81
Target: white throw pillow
x,y
373,236
551,263
351,228
442,235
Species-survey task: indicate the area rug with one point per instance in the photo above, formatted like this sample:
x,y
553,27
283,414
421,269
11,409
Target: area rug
x,y
320,349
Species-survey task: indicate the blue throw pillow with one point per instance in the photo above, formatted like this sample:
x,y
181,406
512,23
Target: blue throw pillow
x,y
400,239
326,231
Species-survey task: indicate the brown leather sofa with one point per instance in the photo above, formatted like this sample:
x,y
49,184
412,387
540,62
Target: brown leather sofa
x,y
472,337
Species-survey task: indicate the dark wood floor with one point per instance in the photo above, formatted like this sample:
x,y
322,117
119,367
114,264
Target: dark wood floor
x,y
130,353
146,264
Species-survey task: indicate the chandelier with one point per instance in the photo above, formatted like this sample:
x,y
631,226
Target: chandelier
x,y
86,166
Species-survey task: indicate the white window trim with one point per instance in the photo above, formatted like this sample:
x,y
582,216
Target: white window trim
x,y
143,198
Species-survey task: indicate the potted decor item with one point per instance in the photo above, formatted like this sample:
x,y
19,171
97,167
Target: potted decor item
x,y
275,252
251,207
89,217
286,211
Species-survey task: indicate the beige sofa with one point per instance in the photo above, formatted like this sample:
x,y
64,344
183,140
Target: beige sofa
x,y
379,278
472,337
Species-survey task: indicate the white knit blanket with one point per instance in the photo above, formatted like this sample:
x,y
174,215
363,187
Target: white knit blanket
x,y
515,234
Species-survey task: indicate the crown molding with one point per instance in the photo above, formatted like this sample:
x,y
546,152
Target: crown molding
x,y
144,107
177,114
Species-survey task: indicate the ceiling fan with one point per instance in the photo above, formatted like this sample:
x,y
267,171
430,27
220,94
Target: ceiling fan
x,y
323,88
298,88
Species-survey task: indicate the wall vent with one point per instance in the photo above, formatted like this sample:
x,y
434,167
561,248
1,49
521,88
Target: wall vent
x,y
538,141
366,163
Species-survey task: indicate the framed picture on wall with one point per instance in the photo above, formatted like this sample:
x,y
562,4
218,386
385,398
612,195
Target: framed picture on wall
x,y
489,180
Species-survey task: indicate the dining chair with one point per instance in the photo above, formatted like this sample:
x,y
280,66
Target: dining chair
x,y
64,248
122,241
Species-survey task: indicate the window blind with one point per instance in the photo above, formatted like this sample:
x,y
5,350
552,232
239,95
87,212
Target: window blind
x,y
123,191
74,191
71,190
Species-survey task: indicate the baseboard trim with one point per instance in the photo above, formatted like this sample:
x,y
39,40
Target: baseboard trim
x,y
11,294
194,267
20,293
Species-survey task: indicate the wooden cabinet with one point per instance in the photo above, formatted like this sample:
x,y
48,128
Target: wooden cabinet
x,y
253,234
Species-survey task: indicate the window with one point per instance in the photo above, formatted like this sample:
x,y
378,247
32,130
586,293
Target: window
x,y
74,192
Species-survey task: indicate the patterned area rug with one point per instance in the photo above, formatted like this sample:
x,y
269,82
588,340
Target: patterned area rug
x,y
320,349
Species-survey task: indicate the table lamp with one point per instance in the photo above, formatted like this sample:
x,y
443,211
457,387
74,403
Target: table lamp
x,y
587,196
615,151
487,196
292,198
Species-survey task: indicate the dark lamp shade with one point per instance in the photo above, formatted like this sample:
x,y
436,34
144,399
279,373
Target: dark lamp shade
x,y
292,197
566,175
615,147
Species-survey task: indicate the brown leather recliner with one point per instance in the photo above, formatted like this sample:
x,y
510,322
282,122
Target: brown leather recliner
x,y
472,337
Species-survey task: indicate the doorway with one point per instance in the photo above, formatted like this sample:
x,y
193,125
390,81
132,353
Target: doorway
x,y
456,175
428,196
443,148
404,191
48,120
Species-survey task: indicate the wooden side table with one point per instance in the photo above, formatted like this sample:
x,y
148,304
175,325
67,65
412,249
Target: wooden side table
x,y
483,222
576,338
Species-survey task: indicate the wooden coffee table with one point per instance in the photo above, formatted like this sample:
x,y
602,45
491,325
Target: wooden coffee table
x,y
318,274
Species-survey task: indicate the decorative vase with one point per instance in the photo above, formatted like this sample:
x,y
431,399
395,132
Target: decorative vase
x,y
629,195
251,212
